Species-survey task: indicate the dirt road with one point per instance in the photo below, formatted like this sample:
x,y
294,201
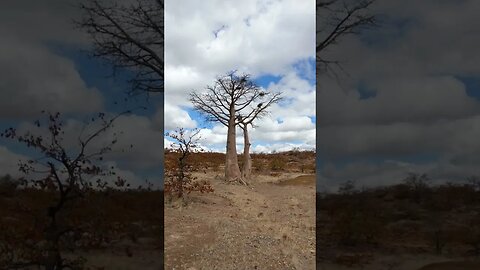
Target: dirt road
x,y
263,226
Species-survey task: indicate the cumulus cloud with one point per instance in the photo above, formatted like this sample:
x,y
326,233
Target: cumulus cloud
x,y
139,144
33,79
239,36
175,117
41,21
32,76
404,105
9,162
246,38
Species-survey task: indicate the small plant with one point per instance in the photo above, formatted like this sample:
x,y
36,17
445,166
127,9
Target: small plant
x,y
278,164
258,165
179,179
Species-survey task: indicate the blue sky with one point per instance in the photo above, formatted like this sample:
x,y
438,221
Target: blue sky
x,y
45,67
409,100
95,74
198,48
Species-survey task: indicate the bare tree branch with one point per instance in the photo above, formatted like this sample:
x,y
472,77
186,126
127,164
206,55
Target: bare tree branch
x,y
337,19
128,37
233,100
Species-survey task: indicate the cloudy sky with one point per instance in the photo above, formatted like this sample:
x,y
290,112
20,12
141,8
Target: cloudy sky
x,y
409,100
274,41
44,66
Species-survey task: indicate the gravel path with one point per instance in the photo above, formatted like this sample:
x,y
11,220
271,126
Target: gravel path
x,y
265,226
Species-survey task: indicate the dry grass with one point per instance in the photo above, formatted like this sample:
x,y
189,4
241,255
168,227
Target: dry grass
x,y
113,224
290,161
398,220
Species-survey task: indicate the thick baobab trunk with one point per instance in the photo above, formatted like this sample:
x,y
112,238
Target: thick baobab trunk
x,y
232,171
247,160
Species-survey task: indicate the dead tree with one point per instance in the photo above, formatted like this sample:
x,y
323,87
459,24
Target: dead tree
x,y
232,100
68,174
179,178
129,37
337,19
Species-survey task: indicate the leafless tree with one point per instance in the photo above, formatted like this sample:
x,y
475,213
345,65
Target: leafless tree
x,y
418,184
179,179
66,173
474,182
233,100
336,19
128,35
243,123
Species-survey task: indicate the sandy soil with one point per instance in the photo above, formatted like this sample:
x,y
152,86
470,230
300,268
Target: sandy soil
x,y
262,226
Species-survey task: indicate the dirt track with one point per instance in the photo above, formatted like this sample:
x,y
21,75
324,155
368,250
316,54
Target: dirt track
x,y
264,226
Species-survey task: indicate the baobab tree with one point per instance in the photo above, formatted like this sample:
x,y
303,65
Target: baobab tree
x,y
244,121
337,19
247,159
233,100
128,36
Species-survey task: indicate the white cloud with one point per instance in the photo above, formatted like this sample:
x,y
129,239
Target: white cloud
x,y
175,117
280,147
257,37
9,162
33,79
139,144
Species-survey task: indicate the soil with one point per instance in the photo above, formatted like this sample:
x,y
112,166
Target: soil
x,y
408,262
269,224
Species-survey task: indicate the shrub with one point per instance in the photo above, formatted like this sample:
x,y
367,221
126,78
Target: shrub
x,y
8,185
258,165
277,164
179,179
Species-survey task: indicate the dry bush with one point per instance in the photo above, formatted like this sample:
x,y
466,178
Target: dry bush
x,y
179,179
258,165
278,164
307,168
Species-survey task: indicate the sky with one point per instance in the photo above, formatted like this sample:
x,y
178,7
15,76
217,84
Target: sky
x,y
274,41
408,101
44,65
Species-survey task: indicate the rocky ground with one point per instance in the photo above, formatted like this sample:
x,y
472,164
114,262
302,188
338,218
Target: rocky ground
x,y
266,225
